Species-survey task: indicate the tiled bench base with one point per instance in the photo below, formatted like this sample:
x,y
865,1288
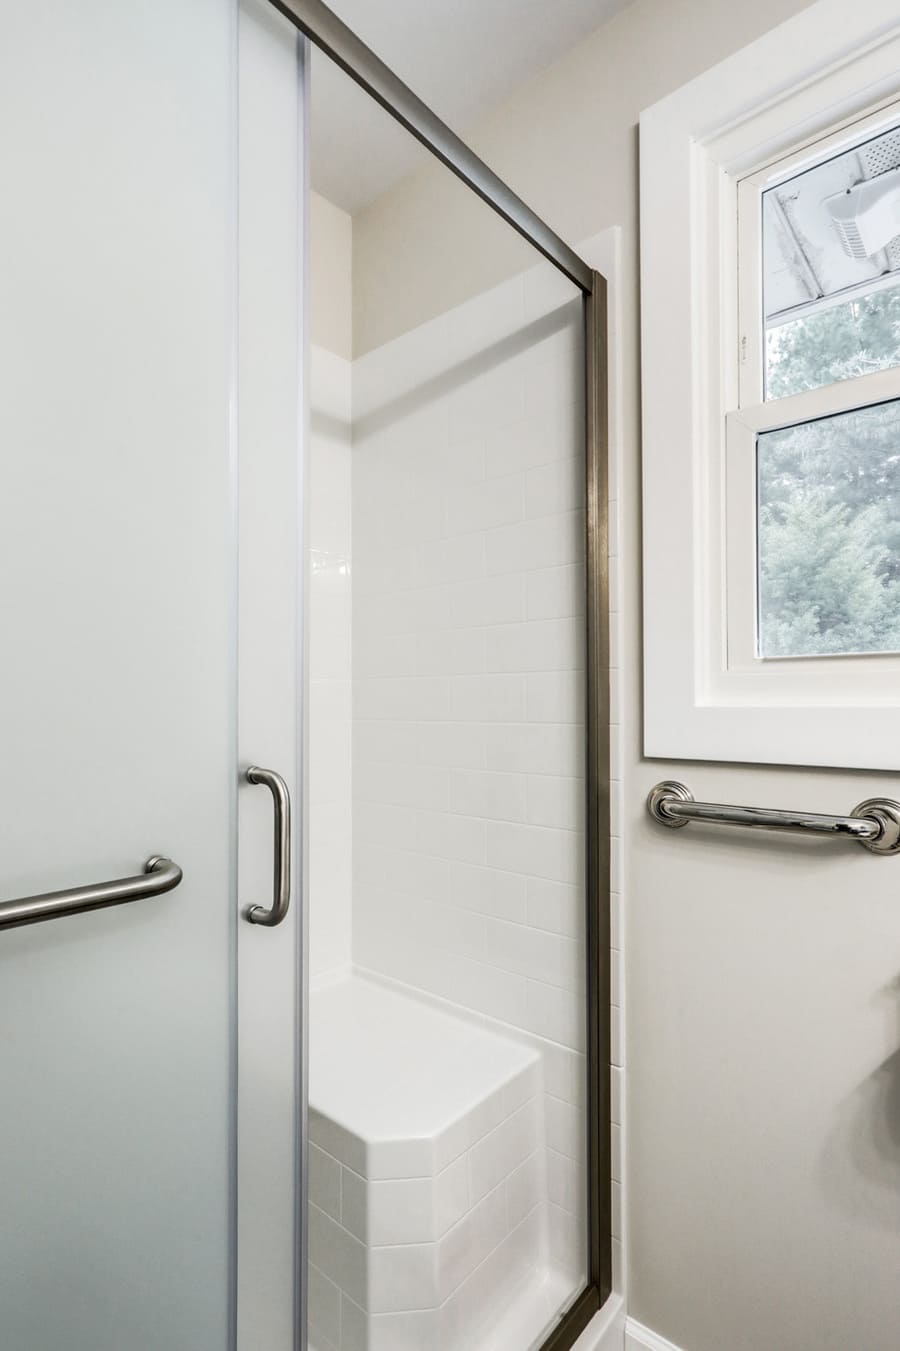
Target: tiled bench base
x,y
426,1174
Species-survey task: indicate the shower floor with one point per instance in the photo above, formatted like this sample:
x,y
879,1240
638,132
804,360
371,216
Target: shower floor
x,y
427,1179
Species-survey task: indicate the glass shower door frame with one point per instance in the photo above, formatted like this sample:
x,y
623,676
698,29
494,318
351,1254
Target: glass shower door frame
x,y
327,32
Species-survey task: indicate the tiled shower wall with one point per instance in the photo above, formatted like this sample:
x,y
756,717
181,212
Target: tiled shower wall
x,y
468,682
468,657
330,667
467,733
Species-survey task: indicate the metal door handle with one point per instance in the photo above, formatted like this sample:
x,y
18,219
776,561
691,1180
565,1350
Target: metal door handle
x,y
281,887
159,875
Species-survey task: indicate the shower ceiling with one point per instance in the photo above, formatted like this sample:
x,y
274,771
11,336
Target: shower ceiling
x,y
463,57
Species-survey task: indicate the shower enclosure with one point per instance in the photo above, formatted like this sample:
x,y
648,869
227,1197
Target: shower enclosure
x,y
458,1154
282,604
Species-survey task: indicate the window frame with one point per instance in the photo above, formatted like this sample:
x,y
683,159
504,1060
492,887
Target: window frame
x,y
707,695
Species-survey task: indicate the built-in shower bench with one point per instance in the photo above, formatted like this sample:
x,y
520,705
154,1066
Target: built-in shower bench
x,y
426,1172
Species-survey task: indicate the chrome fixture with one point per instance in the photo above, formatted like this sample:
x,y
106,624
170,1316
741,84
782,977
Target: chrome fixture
x,y
874,823
159,875
281,887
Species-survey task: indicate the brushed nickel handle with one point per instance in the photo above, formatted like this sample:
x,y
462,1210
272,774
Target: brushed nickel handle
x,y
159,875
281,885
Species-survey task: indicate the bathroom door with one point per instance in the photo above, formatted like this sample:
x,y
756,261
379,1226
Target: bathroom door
x,y
148,601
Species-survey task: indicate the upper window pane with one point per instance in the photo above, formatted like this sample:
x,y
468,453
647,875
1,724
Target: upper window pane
x,y
829,535
831,269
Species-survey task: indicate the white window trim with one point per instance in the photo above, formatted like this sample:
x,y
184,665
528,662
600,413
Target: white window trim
x,y
828,64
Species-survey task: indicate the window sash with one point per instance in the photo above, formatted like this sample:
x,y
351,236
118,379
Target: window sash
x,y
748,265
847,674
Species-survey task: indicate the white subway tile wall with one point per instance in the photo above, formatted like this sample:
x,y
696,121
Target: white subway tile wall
x,y
468,675
468,657
330,712
466,741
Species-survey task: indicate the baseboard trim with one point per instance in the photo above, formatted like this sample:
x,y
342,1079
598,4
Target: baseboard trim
x,y
639,1338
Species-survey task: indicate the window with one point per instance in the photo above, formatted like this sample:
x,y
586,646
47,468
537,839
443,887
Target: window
x,y
819,280
770,279
828,535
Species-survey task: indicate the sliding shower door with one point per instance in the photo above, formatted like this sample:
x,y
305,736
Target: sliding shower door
x,y
122,734
272,306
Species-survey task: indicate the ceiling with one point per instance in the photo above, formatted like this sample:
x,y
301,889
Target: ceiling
x,y
462,57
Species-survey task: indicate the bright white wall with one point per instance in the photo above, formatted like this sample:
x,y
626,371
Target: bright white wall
x,y
468,696
330,580
468,649
330,807
446,520
762,1033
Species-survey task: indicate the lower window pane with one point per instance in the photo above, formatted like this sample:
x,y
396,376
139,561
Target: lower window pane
x,y
829,535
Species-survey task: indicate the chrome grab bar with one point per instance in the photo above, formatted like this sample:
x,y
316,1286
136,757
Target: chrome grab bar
x,y
875,823
159,875
281,885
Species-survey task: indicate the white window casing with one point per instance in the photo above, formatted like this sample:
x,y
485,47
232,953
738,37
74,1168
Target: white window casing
x,y
812,86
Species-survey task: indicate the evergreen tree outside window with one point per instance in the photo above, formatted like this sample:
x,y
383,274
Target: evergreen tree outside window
x,y
829,535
